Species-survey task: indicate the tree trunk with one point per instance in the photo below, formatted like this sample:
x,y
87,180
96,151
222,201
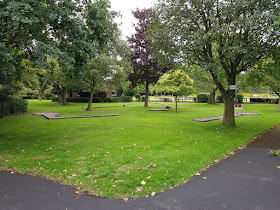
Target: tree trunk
x,y
40,94
147,94
229,119
212,97
176,101
63,96
90,101
59,97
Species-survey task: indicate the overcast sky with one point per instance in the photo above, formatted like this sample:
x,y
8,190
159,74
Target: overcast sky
x,y
125,7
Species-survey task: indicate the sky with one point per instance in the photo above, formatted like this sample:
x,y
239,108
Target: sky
x,y
125,7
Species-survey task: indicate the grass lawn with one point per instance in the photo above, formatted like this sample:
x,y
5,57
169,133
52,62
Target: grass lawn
x,y
133,155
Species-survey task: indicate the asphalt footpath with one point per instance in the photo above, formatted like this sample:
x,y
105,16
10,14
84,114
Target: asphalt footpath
x,y
250,179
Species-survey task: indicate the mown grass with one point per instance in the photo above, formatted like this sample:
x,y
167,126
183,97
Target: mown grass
x,y
111,156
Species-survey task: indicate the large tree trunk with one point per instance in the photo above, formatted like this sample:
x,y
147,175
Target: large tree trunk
x,y
147,94
229,119
212,97
63,96
90,101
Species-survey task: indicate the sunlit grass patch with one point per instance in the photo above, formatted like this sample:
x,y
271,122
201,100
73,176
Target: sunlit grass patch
x,y
133,155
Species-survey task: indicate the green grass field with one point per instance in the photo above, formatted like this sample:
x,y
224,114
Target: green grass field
x,y
133,155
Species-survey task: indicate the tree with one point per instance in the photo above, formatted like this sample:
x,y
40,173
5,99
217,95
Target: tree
x,y
22,24
97,74
175,82
146,69
71,31
268,73
223,37
202,81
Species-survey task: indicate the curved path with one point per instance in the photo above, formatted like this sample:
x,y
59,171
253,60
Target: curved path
x,y
246,180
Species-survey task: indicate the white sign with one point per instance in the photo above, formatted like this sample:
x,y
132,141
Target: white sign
x,y
232,87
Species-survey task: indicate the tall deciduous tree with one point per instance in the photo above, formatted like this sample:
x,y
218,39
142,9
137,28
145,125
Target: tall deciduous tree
x,y
176,82
22,23
146,69
223,37
268,73
96,73
72,31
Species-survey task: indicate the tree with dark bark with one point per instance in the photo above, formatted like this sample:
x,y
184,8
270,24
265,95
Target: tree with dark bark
x,y
223,37
146,68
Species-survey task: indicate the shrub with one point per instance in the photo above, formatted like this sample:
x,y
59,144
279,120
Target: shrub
x,y
143,98
119,99
13,107
275,101
80,100
138,97
126,98
29,97
54,99
166,100
239,98
97,99
220,99
202,98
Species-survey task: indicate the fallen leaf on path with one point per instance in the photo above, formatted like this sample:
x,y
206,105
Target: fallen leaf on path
x,y
77,192
153,194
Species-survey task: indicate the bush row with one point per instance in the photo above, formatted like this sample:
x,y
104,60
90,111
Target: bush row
x,y
119,99
13,107
203,98
97,99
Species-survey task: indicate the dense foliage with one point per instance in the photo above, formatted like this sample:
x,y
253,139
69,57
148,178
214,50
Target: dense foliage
x,y
223,37
202,98
146,69
59,36
175,82
13,107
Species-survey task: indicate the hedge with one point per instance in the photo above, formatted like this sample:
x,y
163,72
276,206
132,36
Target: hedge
x,y
119,99
202,98
97,99
13,107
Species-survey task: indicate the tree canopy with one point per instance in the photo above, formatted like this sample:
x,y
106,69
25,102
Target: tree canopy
x,y
223,37
176,82
146,69
71,32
